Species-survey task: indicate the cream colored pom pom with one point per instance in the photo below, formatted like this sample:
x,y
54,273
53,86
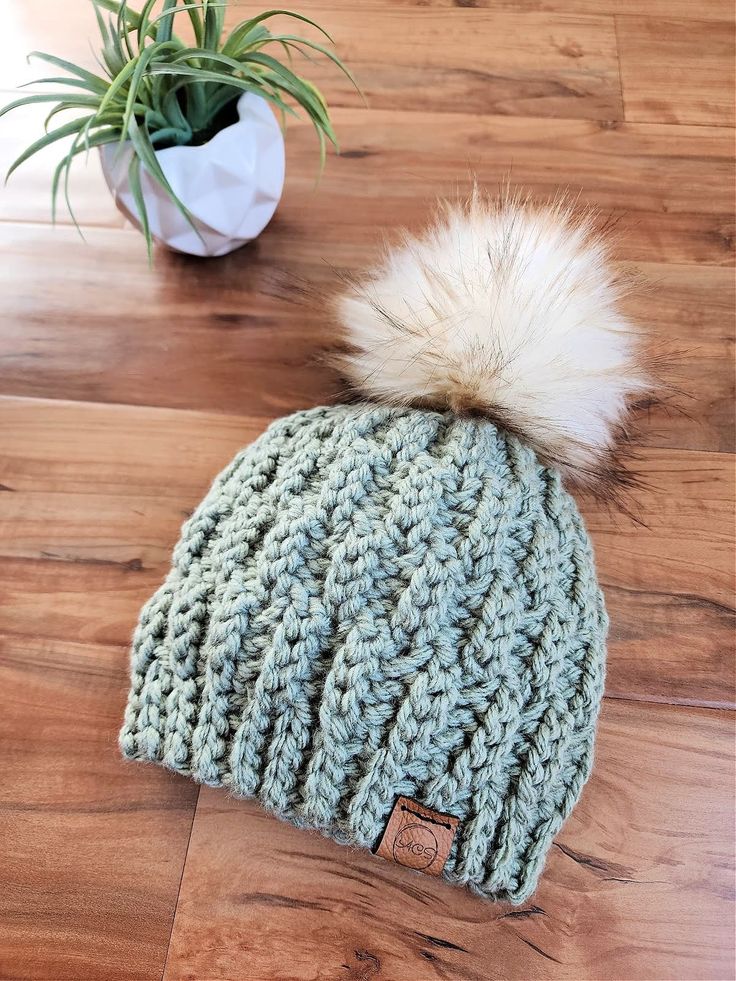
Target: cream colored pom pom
x,y
506,309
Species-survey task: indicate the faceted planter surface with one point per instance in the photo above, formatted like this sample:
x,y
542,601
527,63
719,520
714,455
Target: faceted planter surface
x,y
230,185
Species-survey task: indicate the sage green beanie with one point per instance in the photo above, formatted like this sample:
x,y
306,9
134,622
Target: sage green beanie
x,y
384,610
373,603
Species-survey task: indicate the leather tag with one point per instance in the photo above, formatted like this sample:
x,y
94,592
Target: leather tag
x,y
417,837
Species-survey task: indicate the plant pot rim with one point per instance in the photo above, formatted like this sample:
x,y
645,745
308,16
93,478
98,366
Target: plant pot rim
x,y
243,99
230,185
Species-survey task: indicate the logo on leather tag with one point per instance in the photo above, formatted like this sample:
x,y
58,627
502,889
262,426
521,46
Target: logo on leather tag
x,y
417,837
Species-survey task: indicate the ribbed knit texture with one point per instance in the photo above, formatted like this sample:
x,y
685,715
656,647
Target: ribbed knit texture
x,y
372,602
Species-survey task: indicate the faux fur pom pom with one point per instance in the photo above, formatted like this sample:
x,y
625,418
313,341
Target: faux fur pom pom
x,y
506,309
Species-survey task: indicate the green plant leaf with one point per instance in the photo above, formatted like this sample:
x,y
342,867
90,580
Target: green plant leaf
x,y
76,105
134,177
166,21
170,135
214,21
123,30
235,45
67,66
47,139
75,83
195,17
174,114
97,139
144,25
76,145
296,83
104,33
240,31
139,67
299,42
112,6
144,148
79,100
204,75
214,57
156,90
131,71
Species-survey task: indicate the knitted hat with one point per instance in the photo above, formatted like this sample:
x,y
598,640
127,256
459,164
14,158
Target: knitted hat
x,y
383,621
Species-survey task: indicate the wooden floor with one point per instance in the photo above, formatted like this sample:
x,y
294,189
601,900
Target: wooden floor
x,y
124,391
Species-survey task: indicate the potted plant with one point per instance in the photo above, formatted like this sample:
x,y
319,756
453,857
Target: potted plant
x,y
191,149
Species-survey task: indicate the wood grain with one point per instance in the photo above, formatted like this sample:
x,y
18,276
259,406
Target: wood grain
x,y
88,537
712,10
668,186
244,339
668,579
260,899
434,59
28,195
545,64
90,521
665,77
92,848
690,309
126,390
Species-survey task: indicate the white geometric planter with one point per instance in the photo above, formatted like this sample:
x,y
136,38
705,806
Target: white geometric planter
x,y
230,185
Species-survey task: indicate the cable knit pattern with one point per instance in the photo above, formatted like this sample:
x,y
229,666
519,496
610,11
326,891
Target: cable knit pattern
x,y
373,602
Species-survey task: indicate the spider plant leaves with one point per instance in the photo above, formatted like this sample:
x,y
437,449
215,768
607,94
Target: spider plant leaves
x,y
155,90
174,114
123,33
77,146
250,41
132,73
144,25
195,20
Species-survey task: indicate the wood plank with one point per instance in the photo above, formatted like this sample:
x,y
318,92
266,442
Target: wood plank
x,y
64,30
666,77
538,63
669,186
712,10
244,339
690,309
67,29
544,64
669,579
28,194
156,456
97,494
261,899
640,884
93,849
96,530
